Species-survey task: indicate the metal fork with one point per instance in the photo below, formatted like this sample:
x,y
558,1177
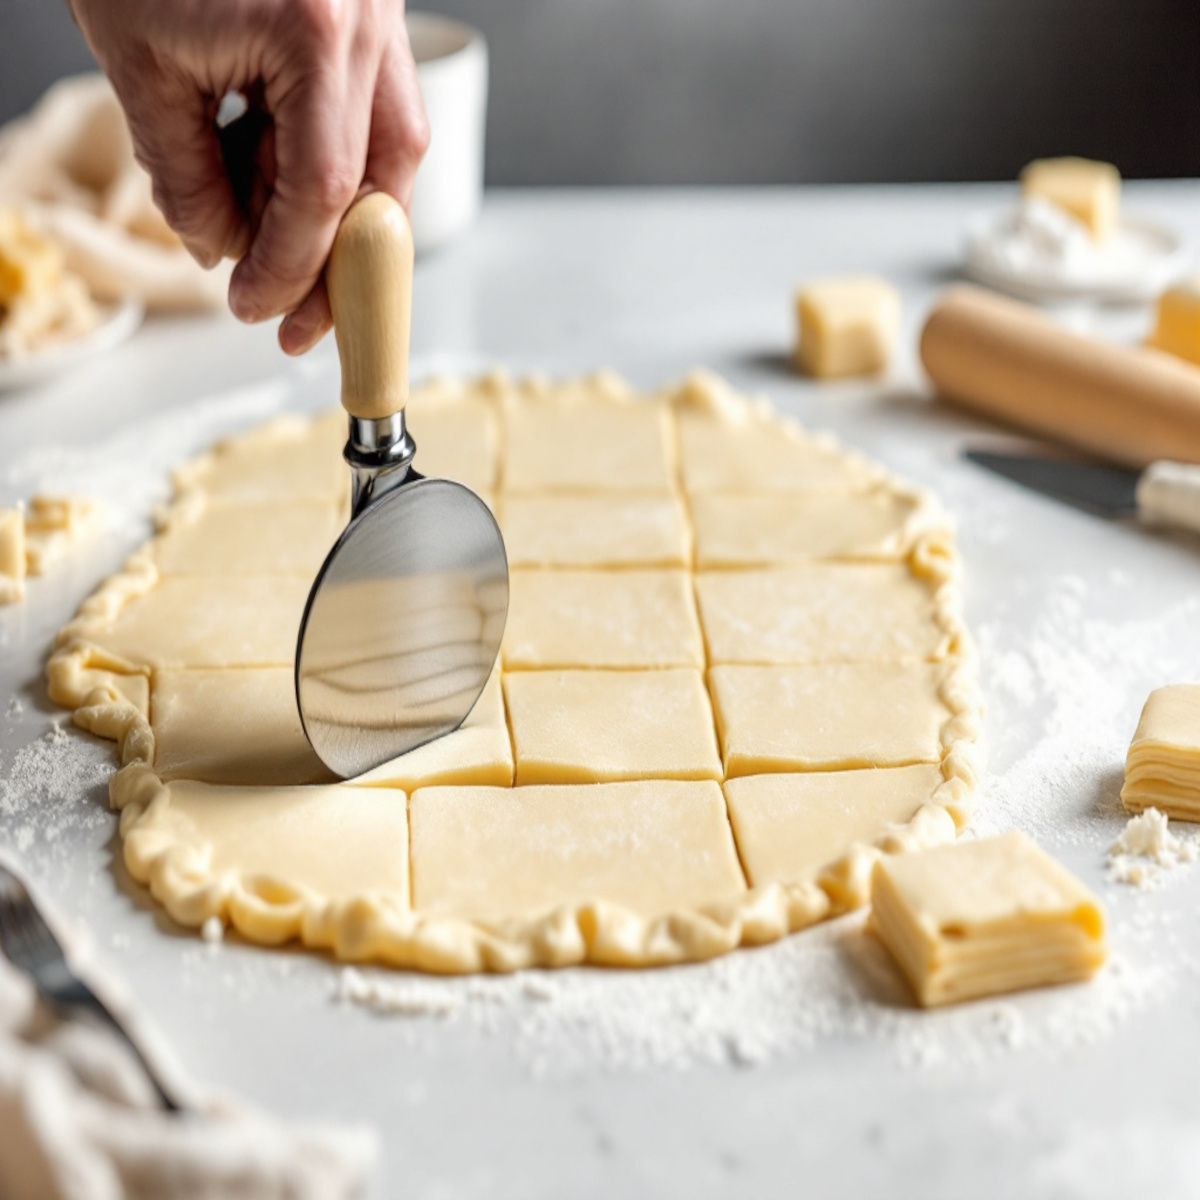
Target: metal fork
x,y
31,947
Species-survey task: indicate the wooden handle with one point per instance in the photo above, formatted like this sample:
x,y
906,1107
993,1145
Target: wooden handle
x,y
1011,361
369,277
1168,493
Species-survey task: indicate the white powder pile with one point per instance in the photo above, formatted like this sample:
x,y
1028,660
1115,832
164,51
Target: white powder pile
x,y
1147,850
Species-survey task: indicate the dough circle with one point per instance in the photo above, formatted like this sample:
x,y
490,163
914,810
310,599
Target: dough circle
x,y
735,676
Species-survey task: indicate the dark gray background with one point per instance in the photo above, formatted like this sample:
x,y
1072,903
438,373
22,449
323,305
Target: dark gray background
x,y
789,91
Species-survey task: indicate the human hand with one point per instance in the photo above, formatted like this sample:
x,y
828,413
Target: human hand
x,y
336,79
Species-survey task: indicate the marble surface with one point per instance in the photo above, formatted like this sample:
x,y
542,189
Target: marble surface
x,y
1083,1092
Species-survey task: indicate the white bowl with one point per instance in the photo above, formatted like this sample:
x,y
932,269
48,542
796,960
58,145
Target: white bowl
x,y
452,70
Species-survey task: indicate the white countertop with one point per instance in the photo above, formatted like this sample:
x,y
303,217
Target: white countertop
x,y
1081,1091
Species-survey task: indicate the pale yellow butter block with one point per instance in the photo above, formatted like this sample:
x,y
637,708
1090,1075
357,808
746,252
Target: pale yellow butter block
x,y
593,726
595,531
846,325
738,531
981,918
829,716
205,621
789,826
1090,191
618,619
589,447
1177,321
1162,769
762,453
12,555
649,846
213,536
821,612
479,751
320,843
231,726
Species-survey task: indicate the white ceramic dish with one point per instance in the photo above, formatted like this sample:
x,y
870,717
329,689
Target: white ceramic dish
x,y
452,69
118,324
1139,261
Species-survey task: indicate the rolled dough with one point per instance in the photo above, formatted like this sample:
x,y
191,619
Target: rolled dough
x,y
616,844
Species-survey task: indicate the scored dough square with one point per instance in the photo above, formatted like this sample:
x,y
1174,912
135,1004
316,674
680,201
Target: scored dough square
x,y
651,846
601,619
221,537
333,841
736,531
790,826
1162,769
206,621
457,438
231,726
289,456
980,918
821,612
596,447
591,726
828,716
763,454
479,751
595,531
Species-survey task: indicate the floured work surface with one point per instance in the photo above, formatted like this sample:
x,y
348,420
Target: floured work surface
x,y
724,695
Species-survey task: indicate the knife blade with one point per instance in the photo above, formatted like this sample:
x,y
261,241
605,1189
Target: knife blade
x,y
1165,493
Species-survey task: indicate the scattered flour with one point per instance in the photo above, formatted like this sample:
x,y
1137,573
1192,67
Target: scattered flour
x,y
1147,850
213,931
15,707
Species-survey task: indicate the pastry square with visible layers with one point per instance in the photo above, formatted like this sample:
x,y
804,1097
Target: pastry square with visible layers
x,y
595,531
617,619
604,446
651,846
594,726
828,716
749,531
1162,769
981,918
790,826
821,612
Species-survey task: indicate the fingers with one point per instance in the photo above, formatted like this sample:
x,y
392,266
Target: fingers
x,y
399,127
304,328
321,130
175,140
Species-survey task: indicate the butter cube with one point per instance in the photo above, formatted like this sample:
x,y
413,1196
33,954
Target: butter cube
x,y
846,325
12,555
1177,327
1089,191
30,264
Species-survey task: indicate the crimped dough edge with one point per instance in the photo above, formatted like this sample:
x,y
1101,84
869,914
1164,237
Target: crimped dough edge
x,y
106,693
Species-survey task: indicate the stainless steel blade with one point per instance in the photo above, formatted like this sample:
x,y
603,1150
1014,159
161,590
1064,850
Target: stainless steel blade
x,y
403,625
1103,490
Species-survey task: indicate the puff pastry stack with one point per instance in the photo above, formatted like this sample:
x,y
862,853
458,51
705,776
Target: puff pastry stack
x,y
1162,769
985,917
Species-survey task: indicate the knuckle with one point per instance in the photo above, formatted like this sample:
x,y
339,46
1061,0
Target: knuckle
x,y
322,20
334,187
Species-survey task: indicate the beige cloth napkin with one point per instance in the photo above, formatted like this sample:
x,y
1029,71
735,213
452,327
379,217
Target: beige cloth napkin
x,y
69,166
78,1122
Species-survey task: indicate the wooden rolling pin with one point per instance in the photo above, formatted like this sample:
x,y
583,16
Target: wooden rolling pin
x,y
1010,361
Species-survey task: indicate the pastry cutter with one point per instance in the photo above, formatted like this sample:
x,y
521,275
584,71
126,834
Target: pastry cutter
x,y
404,621
1164,494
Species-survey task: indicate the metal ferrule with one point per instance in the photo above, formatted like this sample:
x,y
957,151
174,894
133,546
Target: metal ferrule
x,y
380,454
